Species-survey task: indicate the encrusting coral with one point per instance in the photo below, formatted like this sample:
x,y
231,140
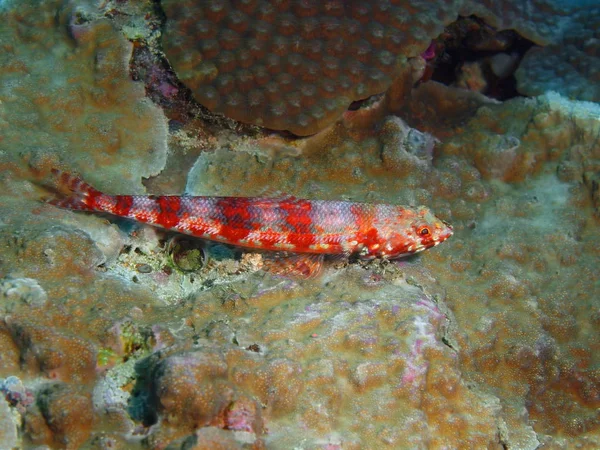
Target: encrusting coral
x,y
89,112
108,339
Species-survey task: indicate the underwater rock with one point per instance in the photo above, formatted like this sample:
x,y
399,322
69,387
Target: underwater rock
x,y
406,149
566,69
297,66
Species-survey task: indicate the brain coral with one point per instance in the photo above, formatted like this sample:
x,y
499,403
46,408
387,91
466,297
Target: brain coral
x,y
295,65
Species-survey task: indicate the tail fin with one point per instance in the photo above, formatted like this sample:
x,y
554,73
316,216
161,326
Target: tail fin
x,y
74,193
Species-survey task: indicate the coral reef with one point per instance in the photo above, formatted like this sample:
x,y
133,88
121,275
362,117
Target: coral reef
x,y
570,66
294,65
9,432
121,336
543,22
62,415
25,290
298,65
89,113
392,331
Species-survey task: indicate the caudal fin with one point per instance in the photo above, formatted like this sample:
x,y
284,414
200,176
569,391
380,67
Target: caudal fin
x,y
73,192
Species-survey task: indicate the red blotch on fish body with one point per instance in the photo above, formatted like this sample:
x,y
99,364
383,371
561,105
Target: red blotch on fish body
x,y
370,239
363,221
270,239
198,227
122,205
168,215
233,234
301,241
299,219
235,211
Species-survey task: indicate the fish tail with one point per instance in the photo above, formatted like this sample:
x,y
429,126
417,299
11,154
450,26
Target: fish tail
x,y
74,193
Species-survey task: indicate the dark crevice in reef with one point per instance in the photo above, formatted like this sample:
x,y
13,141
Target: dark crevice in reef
x,y
473,55
149,65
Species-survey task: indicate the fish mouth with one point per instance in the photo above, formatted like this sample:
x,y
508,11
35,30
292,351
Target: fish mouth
x,y
449,231
444,234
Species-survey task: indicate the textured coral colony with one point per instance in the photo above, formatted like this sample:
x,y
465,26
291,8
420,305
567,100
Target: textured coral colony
x,y
117,335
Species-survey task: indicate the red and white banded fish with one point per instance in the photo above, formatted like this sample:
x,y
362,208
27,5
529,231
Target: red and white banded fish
x,y
286,223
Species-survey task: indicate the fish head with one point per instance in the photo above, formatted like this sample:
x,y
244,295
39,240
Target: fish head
x,y
429,230
413,231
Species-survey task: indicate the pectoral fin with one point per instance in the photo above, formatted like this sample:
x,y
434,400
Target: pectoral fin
x,y
301,265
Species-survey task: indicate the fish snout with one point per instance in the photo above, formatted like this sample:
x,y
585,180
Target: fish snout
x,y
445,232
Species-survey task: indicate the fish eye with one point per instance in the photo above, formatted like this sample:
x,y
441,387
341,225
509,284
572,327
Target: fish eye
x,y
424,231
